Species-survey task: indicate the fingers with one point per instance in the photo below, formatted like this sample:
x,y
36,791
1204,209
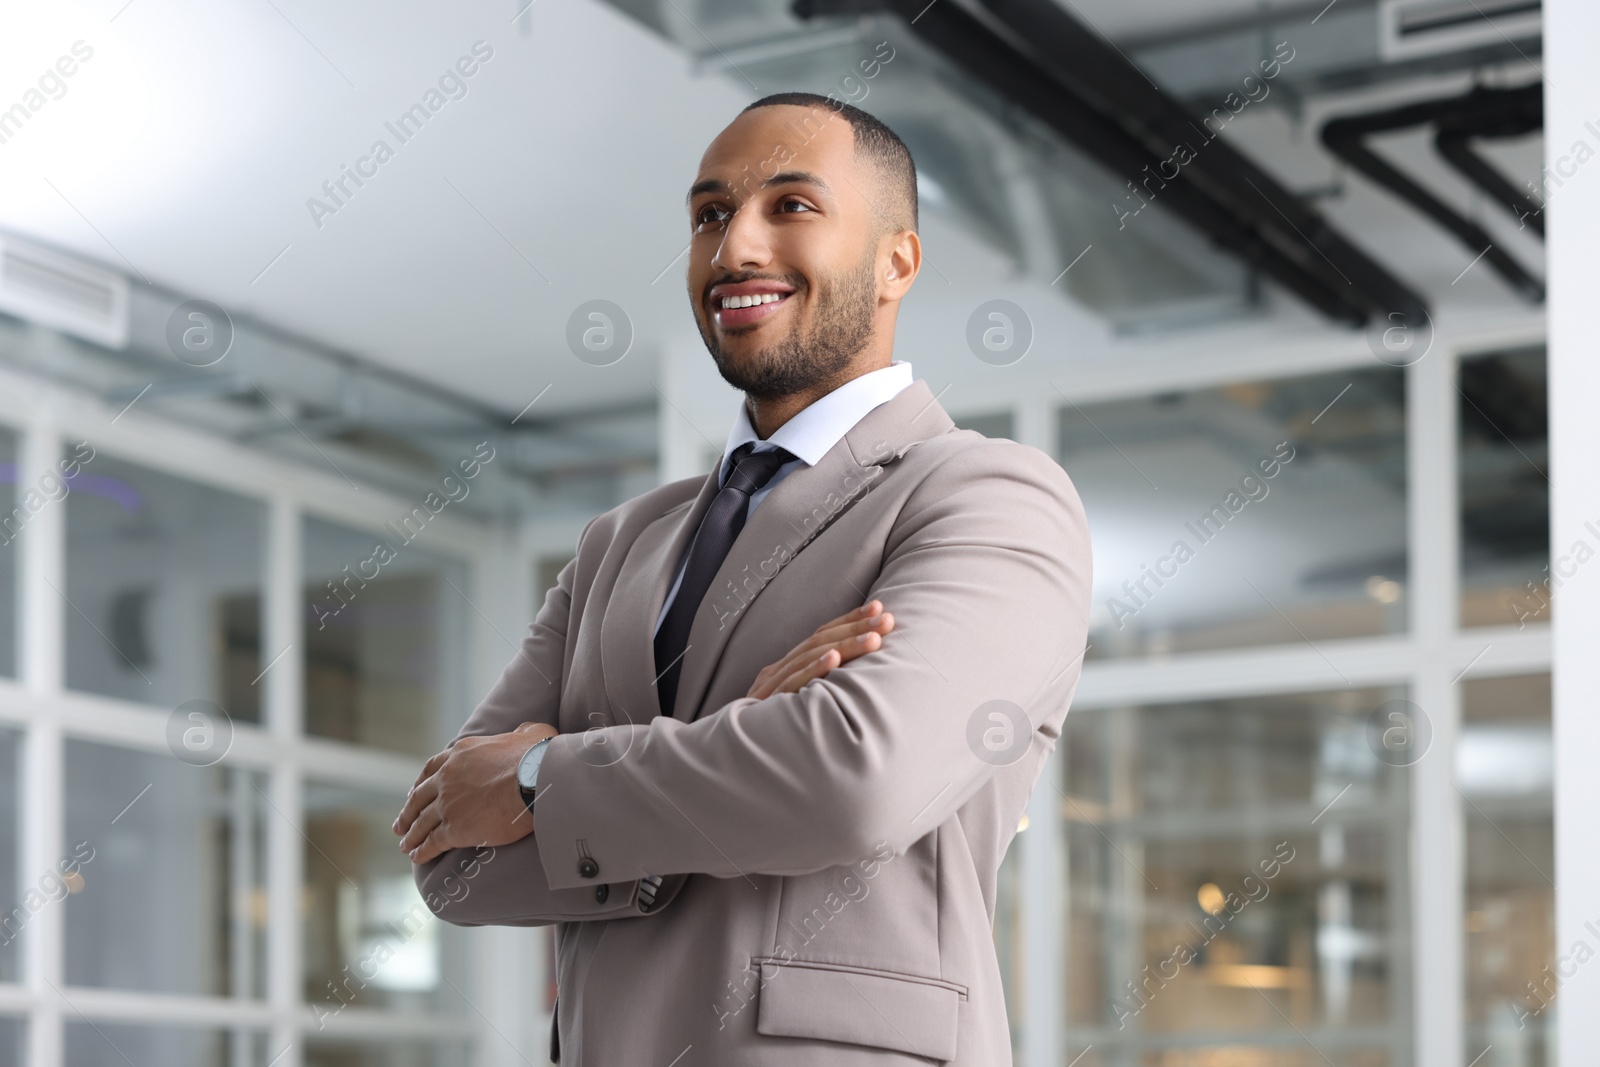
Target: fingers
x,y
427,822
814,669
852,634
428,768
838,634
435,844
852,639
868,637
870,608
422,794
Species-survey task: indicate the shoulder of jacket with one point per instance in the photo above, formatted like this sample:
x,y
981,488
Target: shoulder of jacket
x,y
969,448
647,506
965,455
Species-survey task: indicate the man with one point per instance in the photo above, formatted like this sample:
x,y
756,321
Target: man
x,y
764,816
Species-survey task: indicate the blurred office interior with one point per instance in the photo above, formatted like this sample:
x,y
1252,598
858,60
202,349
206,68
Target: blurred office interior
x,y
1304,811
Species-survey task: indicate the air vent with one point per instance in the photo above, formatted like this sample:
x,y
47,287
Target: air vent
x,y
1409,29
68,294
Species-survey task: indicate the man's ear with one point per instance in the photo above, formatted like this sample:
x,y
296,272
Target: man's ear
x,y
905,260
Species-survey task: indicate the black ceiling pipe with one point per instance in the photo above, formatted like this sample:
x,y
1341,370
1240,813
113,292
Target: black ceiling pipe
x,y
1456,148
1494,113
1481,112
1088,109
1097,71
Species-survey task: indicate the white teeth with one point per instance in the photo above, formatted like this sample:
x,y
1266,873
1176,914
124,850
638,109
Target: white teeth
x,y
730,302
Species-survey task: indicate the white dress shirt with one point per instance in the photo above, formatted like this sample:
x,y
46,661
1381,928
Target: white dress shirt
x,y
808,436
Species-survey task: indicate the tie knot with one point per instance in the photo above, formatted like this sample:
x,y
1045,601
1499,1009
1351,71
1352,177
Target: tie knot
x,y
752,469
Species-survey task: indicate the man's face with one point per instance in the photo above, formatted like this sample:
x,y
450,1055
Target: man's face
x,y
800,245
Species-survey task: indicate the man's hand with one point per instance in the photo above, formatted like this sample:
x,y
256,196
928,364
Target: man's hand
x,y
467,795
852,634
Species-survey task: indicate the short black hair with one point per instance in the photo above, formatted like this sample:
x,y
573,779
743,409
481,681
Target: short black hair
x,y
879,146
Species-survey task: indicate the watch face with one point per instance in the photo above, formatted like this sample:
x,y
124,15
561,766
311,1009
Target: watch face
x,y
529,765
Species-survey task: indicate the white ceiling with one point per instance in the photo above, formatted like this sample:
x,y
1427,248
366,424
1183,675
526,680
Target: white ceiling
x,y
185,150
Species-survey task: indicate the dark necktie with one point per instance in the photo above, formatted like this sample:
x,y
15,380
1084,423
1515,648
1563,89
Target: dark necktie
x,y
718,529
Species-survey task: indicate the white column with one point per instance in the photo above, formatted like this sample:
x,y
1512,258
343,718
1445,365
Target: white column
x,y
696,409
1436,837
42,584
1572,190
1044,889
283,628
507,963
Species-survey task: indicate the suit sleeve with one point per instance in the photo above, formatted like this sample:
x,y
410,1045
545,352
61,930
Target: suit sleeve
x,y
987,573
505,885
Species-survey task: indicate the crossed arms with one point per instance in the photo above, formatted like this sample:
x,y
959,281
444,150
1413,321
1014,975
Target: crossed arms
x,y
988,569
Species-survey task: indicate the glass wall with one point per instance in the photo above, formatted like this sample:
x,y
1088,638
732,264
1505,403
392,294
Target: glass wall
x,y
14,917
1504,455
11,1038
166,874
163,587
1504,771
367,938
14,515
1257,513
1238,879
118,1045
385,624
168,811
331,1053
1008,933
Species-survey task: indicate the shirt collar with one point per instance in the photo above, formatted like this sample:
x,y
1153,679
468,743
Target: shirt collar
x,y
816,428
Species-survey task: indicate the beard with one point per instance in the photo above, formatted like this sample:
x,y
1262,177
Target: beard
x,y
813,353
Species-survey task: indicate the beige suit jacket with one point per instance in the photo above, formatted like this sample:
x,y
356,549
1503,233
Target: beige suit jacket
x,y
828,857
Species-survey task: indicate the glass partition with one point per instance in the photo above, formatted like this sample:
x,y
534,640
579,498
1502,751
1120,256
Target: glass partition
x,y
1009,944
1256,513
368,939
387,626
164,879
16,505
1503,449
12,1032
334,1053
163,587
1505,772
16,914
1238,882
104,1044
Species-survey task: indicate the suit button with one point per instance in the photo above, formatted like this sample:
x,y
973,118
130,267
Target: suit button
x,y
588,868
600,893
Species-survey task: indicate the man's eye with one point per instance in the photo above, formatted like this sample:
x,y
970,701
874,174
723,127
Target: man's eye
x,y
793,203
716,214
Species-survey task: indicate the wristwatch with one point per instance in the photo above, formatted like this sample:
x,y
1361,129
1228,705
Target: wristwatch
x,y
528,770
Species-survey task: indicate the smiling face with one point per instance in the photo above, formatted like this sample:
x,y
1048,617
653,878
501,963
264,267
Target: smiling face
x,y
794,284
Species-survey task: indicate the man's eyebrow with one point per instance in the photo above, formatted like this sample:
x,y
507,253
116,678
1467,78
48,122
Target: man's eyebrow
x,y
787,177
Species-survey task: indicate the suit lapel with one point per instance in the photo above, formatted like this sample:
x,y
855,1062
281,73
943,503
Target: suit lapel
x,y
797,509
627,630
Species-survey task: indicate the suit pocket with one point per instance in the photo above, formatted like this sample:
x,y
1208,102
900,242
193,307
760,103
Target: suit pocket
x,y
858,1005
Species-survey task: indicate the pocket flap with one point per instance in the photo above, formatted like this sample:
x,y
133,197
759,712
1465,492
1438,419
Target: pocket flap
x,y
835,1003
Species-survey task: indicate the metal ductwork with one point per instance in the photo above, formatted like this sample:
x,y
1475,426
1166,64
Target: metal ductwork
x,y
1040,137
1082,87
1457,120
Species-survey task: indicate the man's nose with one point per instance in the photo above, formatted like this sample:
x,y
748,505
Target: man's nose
x,y
744,243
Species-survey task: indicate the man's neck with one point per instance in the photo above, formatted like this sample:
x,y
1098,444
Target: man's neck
x,y
768,416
